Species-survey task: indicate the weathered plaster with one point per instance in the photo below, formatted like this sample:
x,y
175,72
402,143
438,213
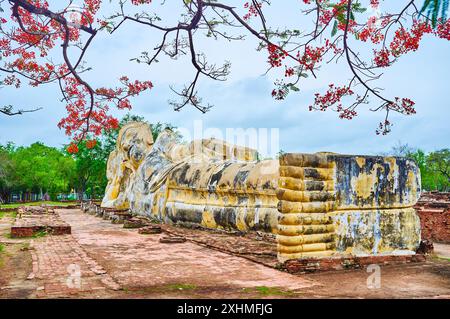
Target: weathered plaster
x,y
319,205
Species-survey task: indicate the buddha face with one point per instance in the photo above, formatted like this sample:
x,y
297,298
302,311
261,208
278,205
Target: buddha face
x,y
134,142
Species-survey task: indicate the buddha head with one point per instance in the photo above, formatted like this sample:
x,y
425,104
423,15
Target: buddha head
x,y
134,142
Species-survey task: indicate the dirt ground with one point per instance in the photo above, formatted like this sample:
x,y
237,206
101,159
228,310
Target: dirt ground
x,y
104,260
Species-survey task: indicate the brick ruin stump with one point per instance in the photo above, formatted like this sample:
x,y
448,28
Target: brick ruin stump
x,y
149,230
172,240
117,216
34,219
136,222
120,217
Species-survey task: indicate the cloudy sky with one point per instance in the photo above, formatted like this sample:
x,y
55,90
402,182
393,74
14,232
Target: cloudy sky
x,y
244,101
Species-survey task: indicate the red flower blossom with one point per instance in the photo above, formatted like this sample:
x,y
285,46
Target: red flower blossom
x,y
90,144
72,148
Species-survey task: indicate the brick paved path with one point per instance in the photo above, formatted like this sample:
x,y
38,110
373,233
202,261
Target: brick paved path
x,y
63,268
100,258
115,262
442,250
140,261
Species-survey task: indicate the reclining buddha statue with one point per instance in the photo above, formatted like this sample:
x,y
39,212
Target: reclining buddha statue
x,y
317,205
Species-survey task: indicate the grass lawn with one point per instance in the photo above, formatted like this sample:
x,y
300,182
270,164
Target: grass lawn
x,y
8,214
15,205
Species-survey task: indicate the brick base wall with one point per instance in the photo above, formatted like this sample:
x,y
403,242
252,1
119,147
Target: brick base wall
x,y
435,225
325,264
29,231
434,213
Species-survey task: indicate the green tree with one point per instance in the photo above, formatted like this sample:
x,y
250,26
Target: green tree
x,y
36,168
42,169
90,170
434,167
439,164
427,176
6,173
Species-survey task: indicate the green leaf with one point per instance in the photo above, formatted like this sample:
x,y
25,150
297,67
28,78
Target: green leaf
x,y
335,28
425,5
435,10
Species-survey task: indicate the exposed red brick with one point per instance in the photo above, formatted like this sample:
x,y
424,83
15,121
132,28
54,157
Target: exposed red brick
x,y
434,213
31,220
327,264
17,232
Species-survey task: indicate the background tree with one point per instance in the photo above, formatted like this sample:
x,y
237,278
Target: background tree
x,y
90,169
6,173
37,169
41,169
81,167
434,166
439,163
